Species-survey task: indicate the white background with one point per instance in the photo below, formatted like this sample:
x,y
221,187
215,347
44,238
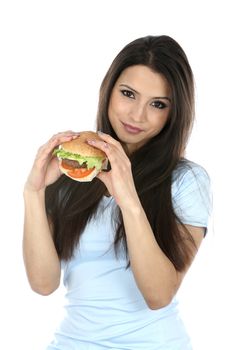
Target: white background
x,y
53,57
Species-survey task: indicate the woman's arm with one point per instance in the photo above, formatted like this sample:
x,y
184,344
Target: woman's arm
x,y
40,257
155,275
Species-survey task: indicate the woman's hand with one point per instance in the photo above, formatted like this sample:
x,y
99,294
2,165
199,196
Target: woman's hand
x,y
119,180
45,169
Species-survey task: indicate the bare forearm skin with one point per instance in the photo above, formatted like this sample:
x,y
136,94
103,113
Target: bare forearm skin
x,y
154,273
40,257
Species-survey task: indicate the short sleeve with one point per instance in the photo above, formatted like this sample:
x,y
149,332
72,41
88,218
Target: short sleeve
x,y
191,195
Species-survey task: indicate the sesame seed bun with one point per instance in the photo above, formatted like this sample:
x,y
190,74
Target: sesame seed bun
x,y
80,145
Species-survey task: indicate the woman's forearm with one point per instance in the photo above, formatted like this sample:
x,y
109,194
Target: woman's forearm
x,y
154,273
40,256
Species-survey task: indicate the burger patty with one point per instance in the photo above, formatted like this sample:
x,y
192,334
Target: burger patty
x,y
74,163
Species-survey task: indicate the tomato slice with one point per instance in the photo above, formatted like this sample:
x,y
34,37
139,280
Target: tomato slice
x,y
81,172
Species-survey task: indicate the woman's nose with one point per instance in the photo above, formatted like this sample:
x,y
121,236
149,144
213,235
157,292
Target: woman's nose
x,y
138,114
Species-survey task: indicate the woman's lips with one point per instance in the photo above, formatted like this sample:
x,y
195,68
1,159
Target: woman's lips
x,y
131,129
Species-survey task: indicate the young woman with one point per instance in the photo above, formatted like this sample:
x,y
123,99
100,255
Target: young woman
x,y
125,240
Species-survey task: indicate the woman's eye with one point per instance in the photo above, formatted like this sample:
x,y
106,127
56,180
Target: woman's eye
x,y
127,93
158,104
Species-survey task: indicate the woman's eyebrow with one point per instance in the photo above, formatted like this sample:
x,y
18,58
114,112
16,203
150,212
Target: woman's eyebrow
x,y
156,98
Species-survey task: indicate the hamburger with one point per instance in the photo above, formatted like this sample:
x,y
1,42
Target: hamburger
x,y
79,160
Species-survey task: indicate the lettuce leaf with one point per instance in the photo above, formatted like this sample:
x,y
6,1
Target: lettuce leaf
x,y
91,161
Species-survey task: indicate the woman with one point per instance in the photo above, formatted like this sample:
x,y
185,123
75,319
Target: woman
x,y
127,239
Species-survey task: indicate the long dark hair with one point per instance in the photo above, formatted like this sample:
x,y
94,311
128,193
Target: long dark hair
x,y
71,205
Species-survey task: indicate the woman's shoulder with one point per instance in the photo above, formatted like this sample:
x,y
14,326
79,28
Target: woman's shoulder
x,y
190,178
191,193
191,184
187,170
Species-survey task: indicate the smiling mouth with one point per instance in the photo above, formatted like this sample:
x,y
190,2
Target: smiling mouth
x,y
131,129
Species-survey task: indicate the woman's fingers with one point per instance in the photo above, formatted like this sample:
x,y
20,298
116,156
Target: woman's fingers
x,y
45,169
63,137
110,146
68,133
115,154
55,141
119,180
109,140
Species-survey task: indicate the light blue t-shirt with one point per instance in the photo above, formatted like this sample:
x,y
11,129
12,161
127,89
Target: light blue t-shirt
x,y
104,308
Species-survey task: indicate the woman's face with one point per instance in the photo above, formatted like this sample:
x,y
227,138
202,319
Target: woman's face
x,y
139,106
